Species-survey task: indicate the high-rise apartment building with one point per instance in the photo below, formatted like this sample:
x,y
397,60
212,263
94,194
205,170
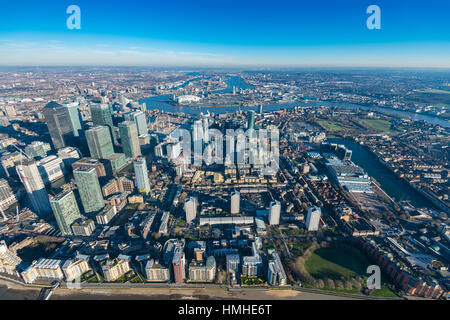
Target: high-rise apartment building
x,y
233,263
156,272
115,268
179,265
276,275
74,268
235,202
274,214
203,270
140,170
313,218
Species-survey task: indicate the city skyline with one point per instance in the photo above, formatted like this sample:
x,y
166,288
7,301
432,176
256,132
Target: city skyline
x,y
238,150
366,182
201,34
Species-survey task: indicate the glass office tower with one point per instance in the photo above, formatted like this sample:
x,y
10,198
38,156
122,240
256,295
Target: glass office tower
x,y
65,209
130,140
99,142
89,189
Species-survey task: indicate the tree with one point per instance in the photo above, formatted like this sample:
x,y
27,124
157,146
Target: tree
x,y
348,285
329,283
320,284
356,284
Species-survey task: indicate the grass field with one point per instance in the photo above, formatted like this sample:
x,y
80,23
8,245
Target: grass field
x,y
332,126
336,262
378,124
436,91
342,260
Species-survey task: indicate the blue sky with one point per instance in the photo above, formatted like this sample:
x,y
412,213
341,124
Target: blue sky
x,y
226,33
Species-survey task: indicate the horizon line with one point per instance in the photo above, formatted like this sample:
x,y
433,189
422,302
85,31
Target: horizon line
x,y
227,66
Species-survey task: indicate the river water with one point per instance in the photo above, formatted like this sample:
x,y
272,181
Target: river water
x,y
159,102
395,187
14,294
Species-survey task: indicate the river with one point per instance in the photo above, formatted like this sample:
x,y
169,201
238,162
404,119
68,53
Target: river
x,y
15,294
159,102
395,187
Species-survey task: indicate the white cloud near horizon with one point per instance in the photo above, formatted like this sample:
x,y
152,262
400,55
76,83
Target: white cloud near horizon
x,y
62,53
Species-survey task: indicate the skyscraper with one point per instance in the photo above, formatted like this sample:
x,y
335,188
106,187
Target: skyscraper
x,y
235,202
197,131
313,218
101,116
205,127
99,142
58,124
190,208
31,178
140,170
74,117
65,209
140,119
274,215
251,120
197,140
129,138
89,189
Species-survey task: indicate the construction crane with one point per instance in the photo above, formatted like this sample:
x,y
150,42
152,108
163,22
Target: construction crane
x,y
22,152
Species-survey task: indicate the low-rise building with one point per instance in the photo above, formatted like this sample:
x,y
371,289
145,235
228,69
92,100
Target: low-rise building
x,y
91,163
83,228
51,169
164,223
69,156
43,268
105,216
37,149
